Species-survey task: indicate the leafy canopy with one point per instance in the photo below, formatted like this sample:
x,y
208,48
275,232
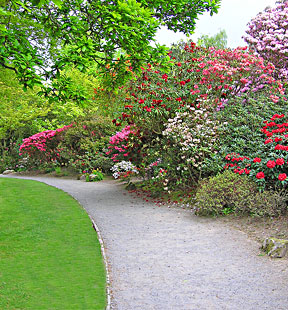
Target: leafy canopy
x,y
34,34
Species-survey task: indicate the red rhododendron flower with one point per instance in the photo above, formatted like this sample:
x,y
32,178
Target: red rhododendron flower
x,y
164,77
257,160
282,176
260,175
147,109
278,139
268,141
280,161
271,164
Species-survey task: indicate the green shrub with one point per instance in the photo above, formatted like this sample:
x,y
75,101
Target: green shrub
x,y
84,145
90,161
231,193
223,194
268,203
90,133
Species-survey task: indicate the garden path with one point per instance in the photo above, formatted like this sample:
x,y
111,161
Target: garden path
x,y
167,259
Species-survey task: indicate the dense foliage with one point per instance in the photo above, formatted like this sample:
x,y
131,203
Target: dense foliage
x,y
34,34
24,113
80,146
228,193
177,119
270,167
180,126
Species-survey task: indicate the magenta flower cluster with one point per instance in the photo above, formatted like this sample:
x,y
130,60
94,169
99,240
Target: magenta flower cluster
x,y
38,142
118,143
268,36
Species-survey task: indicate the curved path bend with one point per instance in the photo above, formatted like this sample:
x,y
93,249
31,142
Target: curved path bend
x,y
168,259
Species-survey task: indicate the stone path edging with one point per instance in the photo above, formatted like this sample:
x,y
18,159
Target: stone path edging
x,y
108,284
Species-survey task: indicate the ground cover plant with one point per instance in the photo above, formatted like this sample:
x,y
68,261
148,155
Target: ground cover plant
x,y
50,257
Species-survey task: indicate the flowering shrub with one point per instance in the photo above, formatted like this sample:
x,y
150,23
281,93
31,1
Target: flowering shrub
x,y
270,167
238,129
80,146
267,35
43,146
159,101
124,169
120,144
192,134
197,74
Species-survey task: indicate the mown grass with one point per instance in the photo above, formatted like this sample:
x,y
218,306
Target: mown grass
x,y
50,257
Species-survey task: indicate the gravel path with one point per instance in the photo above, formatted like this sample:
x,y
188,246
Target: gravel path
x,y
168,259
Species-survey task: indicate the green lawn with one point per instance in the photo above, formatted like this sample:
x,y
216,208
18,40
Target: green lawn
x,y
50,257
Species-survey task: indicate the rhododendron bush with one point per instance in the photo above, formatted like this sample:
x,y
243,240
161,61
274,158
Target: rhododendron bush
x,y
267,35
193,133
81,145
43,146
270,168
197,75
174,112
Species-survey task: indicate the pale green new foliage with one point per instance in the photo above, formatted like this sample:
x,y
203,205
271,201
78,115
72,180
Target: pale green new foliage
x,y
219,40
17,108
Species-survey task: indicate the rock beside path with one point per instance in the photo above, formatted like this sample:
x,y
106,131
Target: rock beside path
x,y
276,248
8,172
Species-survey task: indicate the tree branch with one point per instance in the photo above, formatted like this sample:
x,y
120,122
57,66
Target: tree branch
x,y
8,67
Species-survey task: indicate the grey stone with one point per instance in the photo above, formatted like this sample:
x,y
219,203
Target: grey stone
x,y
8,172
83,177
276,248
92,177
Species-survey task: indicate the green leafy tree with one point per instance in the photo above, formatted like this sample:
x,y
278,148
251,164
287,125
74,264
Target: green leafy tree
x,y
23,113
17,108
33,34
219,40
